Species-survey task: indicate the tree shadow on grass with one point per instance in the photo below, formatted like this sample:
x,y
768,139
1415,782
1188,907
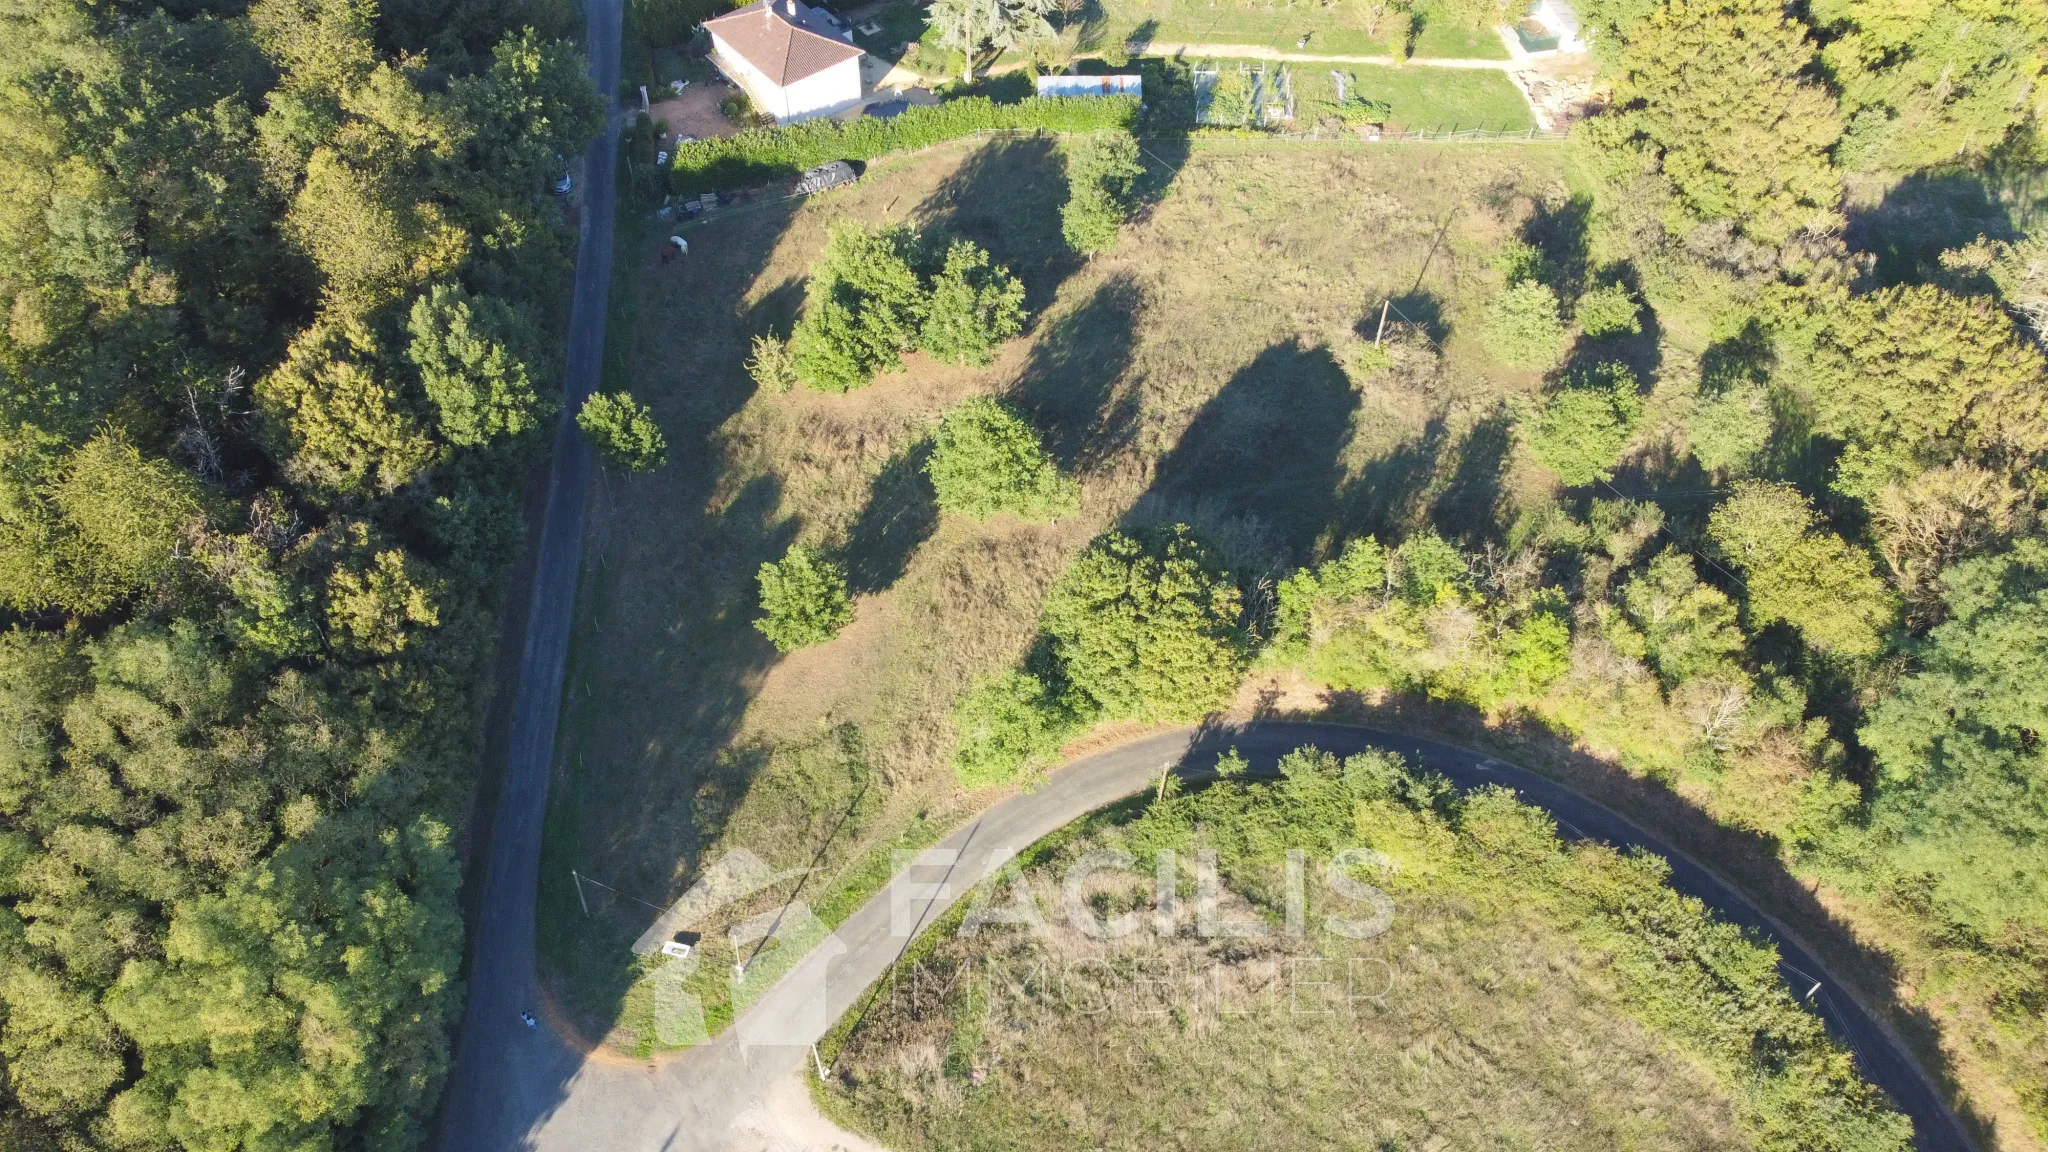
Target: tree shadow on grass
x,y
1068,385
1385,498
1265,448
1419,308
1563,235
1468,507
901,514
1924,215
1006,197
1642,351
666,660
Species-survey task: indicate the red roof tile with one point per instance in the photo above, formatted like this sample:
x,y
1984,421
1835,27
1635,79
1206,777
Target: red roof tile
x,y
780,44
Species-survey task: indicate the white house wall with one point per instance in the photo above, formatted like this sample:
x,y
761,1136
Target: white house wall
x,y
819,94
767,95
823,93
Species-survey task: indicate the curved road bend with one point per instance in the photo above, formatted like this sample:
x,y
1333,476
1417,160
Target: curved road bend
x,y
693,1100
500,1072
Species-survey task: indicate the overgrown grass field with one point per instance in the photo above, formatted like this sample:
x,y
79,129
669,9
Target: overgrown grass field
x,y
1197,372
1522,994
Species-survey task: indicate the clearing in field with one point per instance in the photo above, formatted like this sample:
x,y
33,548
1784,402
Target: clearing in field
x,y
1203,371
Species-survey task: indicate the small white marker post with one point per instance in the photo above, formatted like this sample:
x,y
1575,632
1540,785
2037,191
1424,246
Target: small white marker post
x,y
820,1064
1383,323
579,891
1811,991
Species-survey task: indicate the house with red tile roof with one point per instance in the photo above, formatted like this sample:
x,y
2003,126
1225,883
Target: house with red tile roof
x,y
794,61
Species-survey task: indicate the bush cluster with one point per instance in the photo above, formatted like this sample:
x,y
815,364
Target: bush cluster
x,y
762,154
1522,326
987,459
1142,627
1584,426
623,431
876,294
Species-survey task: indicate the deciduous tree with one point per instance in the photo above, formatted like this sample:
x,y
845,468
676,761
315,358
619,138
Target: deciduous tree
x,y
1795,572
1146,627
1718,88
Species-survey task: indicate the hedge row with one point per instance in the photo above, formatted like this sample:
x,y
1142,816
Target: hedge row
x,y
759,155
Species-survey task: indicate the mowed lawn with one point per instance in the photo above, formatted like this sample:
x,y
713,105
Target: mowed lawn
x,y
1196,373
1419,97
1340,29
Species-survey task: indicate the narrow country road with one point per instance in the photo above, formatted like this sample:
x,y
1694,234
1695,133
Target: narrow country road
x,y
715,1096
500,1064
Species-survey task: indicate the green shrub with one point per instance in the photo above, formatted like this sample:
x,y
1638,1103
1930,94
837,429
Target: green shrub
x,y
974,305
762,154
986,459
803,600
1100,172
623,431
863,307
1608,311
1429,566
1688,627
1522,327
1811,579
1727,430
1539,652
1230,99
1520,261
873,296
1357,573
1004,726
1146,628
1585,426
771,364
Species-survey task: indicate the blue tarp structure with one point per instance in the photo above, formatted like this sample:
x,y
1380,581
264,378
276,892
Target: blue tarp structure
x,y
1091,86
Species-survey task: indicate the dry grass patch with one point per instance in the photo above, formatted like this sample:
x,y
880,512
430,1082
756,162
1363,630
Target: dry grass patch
x,y
1197,372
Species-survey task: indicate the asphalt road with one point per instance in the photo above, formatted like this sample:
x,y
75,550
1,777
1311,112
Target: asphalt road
x,y
703,1099
498,1067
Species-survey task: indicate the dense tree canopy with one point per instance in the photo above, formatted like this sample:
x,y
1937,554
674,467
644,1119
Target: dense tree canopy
x,y
1716,89
1961,750
1926,81
1913,376
270,286
1798,573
